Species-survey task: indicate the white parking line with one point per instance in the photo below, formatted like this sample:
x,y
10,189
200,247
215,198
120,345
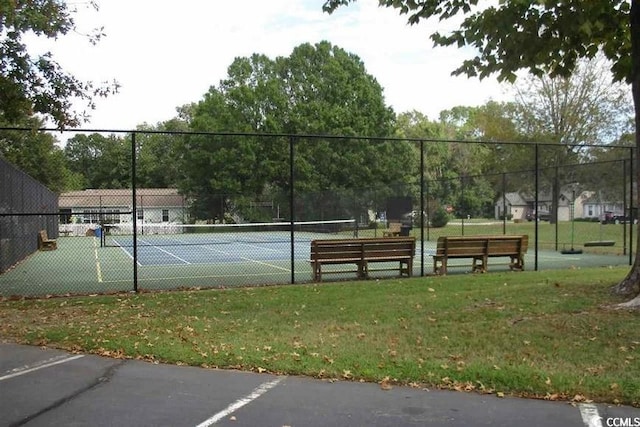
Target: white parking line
x,y
590,415
46,364
256,393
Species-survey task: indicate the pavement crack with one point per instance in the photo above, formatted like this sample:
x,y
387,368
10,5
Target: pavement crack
x,y
104,378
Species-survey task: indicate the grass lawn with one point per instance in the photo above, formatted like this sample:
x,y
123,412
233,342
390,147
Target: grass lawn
x,y
563,233
549,334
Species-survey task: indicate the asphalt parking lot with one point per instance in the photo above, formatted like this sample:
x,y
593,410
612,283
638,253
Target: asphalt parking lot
x,y
46,387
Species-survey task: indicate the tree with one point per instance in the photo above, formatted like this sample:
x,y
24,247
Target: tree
x,y
571,113
100,159
38,85
544,38
36,154
317,90
158,154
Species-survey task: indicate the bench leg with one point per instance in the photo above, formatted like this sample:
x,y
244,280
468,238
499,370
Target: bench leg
x,y
317,273
517,263
437,269
442,268
479,265
408,270
362,270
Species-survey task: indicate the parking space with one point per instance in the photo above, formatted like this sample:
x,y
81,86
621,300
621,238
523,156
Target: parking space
x,y
42,387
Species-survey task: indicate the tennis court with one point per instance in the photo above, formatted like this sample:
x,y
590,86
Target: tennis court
x,y
214,257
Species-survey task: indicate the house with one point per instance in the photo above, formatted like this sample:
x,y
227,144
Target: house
x,y
115,206
520,205
514,204
594,206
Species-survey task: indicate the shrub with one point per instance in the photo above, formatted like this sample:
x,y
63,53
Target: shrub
x,y
440,218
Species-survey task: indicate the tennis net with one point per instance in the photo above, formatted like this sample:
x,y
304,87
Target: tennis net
x,y
210,234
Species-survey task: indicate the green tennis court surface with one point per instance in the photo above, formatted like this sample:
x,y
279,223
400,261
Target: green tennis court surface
x,y
81,266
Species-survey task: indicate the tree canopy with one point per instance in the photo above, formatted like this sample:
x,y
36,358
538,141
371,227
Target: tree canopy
x,y
543,38
37,85
318,90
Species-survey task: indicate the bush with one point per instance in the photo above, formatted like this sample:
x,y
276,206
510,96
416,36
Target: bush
x,y
440,218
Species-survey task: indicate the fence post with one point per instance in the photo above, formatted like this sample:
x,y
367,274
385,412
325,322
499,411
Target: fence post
x,y
421,207
291,204
631,203
504,203
134,211
537,200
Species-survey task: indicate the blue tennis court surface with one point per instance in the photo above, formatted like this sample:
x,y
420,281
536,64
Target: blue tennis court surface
x,y
229,252
149,254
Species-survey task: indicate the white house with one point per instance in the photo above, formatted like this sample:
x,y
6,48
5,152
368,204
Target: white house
x,y
520,205
594,206
115,206
514,204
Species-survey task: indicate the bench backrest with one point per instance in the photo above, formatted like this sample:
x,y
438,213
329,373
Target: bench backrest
x,y
335,249
508,245
481,245
385,247
43,235
395,227
362,248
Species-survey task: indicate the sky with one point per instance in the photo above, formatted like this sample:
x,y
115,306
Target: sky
x,y
165,54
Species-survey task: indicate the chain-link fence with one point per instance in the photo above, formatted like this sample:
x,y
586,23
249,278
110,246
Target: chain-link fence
x,y
198,210
26,208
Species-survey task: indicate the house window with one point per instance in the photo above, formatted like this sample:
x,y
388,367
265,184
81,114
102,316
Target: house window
x,y
140,214
96,216
590,210
65,216
90,216
165,215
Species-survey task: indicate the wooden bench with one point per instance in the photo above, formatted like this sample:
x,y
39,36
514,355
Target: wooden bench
x,y
393,230
361,252
45,243
480,249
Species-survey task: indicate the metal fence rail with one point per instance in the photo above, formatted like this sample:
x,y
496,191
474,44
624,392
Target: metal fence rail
x,y
143,238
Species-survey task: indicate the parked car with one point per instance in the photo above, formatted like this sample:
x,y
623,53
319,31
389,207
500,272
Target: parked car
x,y
614,218
543,216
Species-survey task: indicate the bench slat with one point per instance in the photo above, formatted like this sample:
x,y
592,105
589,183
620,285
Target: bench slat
x,y
479,249
363,251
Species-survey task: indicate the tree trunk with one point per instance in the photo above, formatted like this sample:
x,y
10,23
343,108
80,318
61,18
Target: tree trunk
x,y
630,286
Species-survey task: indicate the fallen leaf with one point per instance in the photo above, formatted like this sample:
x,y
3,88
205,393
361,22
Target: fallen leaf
x,y
385,384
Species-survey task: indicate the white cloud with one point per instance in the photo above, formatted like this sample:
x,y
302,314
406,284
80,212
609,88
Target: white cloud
x,y
166,54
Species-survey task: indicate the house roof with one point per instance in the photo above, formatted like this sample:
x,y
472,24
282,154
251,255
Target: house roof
x,y
544,197
514,199
101,198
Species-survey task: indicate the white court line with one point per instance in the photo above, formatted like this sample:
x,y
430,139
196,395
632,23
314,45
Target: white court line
x,y
98,268
27,369
209,248
590,415
256,393
146,244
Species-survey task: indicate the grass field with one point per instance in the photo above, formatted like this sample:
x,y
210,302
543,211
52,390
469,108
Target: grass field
x,y
549,335
548,234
